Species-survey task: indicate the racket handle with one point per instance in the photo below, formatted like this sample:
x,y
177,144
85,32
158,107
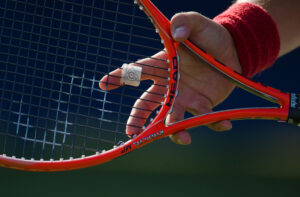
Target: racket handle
x,y
294,111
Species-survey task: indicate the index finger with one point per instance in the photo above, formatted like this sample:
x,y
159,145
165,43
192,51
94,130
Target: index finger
x,y
153,68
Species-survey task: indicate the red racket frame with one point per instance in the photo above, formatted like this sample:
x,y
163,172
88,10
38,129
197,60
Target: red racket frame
x,y
157,129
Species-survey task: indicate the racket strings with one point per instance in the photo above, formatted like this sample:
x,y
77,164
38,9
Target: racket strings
x,y
92,80
86,97
54,54
44,142
81,7
59,55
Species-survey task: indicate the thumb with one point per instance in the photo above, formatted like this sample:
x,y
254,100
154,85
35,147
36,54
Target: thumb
x,y
204,33
182,137
186,24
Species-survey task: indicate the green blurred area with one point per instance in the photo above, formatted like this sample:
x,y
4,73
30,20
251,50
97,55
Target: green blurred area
x,y
254,159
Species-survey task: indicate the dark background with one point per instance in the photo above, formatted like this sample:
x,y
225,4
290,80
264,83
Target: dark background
x,y
255,158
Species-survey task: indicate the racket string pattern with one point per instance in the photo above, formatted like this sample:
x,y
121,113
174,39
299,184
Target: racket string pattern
x,y
52,56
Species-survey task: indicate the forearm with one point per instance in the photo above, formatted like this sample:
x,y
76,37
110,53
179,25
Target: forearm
x,y
286,14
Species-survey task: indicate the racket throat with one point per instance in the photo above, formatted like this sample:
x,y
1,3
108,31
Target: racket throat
x,y
294,111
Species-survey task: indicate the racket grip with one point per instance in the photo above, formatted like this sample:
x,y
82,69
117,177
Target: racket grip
x,y
294,111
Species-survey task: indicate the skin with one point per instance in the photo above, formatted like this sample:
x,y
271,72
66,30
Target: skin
x,y
201,89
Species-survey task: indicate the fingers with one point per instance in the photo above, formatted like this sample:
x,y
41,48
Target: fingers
x,y
154,68
143,107
182,137
177,113
204,33
197,105
112,80
224,125
203,106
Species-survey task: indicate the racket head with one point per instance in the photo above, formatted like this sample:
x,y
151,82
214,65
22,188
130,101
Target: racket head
x,y
44,101
86,75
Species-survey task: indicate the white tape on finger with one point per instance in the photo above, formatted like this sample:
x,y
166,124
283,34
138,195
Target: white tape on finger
x,y
131,75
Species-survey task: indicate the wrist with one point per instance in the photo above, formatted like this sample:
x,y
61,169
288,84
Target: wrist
x,y
255,36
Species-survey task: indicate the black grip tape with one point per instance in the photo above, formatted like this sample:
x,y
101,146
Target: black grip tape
x,y
294,111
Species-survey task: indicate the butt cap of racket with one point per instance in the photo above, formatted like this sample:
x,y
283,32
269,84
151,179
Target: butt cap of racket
x,y
294,111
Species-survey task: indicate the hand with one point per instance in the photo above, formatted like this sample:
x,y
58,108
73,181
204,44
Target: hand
x,y
200,88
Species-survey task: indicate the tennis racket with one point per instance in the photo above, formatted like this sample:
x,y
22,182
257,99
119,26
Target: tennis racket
x,y
54,116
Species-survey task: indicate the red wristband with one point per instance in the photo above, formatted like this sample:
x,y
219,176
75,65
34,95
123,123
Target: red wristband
x,y
255,35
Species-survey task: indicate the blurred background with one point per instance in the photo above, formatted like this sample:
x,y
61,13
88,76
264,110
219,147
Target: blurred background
x,y
255,158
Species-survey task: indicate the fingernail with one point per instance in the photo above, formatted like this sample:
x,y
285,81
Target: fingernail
x,y
179,32
228,125
180,142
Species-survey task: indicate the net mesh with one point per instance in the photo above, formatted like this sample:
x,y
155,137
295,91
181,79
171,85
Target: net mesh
x,y
52,55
